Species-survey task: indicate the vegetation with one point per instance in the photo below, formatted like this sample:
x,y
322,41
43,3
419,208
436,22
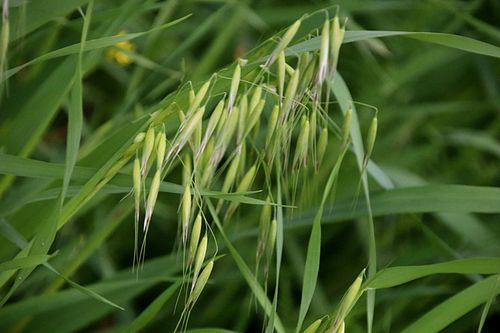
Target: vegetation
x,y
237,166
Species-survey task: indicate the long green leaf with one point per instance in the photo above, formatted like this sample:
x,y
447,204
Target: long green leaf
x,y
30,261
311,268
89,45
75,112
449,40
395,276
456,306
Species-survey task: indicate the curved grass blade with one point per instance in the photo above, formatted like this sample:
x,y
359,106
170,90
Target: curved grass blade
x,y
409,200
449,40
456,306
89,45
395,276
343,95
311,268
25,262
75,112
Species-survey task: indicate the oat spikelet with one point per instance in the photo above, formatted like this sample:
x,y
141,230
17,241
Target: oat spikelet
x,y
346,126
195,238
235,82
151,201
200,257
313,328
147,149
322,143
212,124
186,212
323,54
201,282
161,149
301,150
285,40
370,140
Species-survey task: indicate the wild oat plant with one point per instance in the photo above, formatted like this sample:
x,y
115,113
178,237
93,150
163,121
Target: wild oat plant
x,y
258,148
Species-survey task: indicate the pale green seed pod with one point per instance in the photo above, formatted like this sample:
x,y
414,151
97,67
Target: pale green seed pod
x,y
152,196
231,173
188,126
271,125
202,281
182,117
199,258
247,179
257,94
370,139
243,186
350,297
187,169
195,238
336,39
271,239
235,82
301,149
161,149
139,137
200,95
281,75
186,212
147,148
290,94
254,116
265,219
323,53
322,144
342,327
225,136
313,328
243,114
212,124
346,126
285,40
192,96
312,128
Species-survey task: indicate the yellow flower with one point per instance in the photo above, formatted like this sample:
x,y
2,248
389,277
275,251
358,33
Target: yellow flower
x,y
115,54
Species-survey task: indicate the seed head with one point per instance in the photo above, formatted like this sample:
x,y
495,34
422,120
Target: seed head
x,y
285,40
255,98
186,212
235,82
200,257
152,196
322,143
281,74
201,282
301,149
195,238
324,50
346,126
271,125
161,149
370,139
147,148
313,328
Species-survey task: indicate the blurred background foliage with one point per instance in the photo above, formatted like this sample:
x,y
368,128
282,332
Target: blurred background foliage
x,y
439,123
